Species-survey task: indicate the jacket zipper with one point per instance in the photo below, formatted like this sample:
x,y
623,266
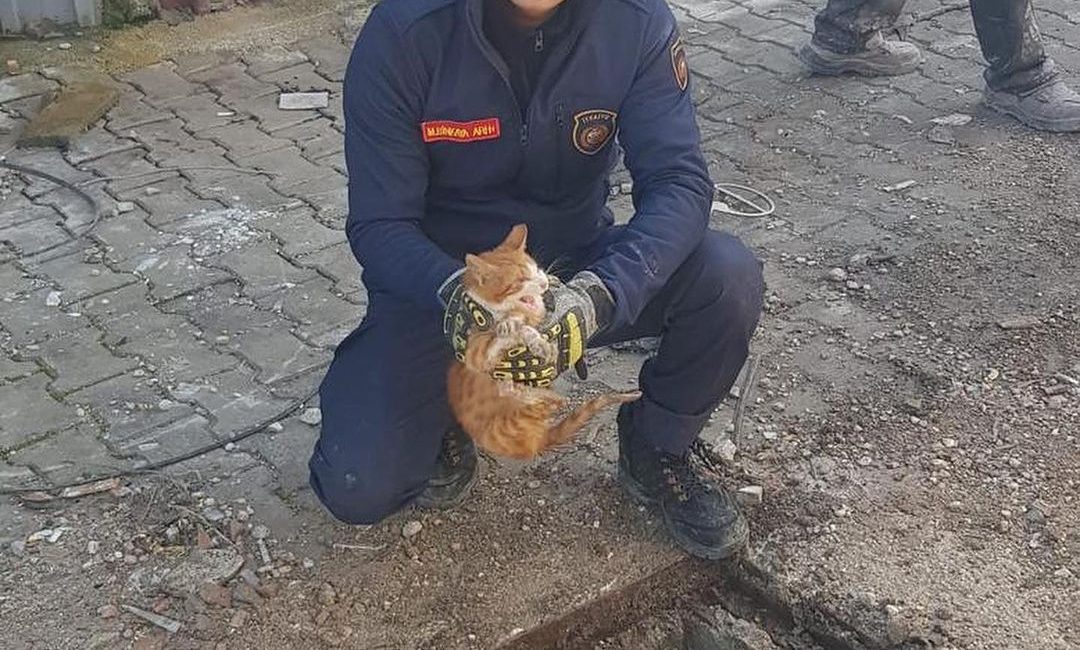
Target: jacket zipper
x,y
560,124
499,66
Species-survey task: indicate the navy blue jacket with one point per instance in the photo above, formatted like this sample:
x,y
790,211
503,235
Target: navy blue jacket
x,y
442,160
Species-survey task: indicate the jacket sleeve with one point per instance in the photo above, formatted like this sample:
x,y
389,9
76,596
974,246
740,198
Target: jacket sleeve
x,y
672,190
388,169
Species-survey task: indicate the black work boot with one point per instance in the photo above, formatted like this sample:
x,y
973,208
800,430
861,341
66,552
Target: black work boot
x,y
455,472
1050,107
702,517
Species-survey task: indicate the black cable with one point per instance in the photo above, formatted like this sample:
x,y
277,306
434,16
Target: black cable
x,y
96,211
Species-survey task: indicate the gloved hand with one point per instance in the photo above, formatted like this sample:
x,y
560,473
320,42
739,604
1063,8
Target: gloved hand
x,y
576,311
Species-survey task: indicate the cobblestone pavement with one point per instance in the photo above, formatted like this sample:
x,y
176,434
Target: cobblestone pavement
x,y
209,298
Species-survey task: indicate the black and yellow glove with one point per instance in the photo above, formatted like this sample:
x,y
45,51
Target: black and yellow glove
x,y
576,311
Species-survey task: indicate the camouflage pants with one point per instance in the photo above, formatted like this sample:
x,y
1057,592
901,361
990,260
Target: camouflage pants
x,y
1007,32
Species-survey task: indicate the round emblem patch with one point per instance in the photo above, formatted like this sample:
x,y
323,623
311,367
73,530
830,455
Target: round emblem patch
x,y
593,129
678,63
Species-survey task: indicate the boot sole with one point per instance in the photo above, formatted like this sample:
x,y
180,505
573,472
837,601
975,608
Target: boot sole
x,y
1009,107
740,536
821,66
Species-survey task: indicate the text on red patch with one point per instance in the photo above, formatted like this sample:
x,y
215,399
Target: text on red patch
x,y
448,131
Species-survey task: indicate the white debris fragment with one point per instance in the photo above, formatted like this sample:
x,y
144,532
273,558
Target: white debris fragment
x,y
53,299
953,119
311,416
303,101
899,186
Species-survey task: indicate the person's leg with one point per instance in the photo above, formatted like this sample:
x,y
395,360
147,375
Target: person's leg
x,y
1021,80
705,317
385,414
847,38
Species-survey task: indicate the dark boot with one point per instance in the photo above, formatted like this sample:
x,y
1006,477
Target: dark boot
x,y
1053,107
701,517
878,57
455,472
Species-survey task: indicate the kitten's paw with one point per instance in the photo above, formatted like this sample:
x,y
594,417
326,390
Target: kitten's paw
x,y
539,345
509,328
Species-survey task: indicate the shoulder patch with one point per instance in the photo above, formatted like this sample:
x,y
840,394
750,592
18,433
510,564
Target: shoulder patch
x,y
678,62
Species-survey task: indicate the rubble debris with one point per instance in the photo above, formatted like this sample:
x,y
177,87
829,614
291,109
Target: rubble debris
x,y
70,114
311,416
716,629
264,552
51,535
411,529
303,101
86,489
164,622
327,594
53,299
953,119
1019,322
750,495
108,611
203,565
837,275
260,532
13,67
214,594
899,186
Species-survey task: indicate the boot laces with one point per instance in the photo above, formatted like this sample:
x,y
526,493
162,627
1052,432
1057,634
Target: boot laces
x,y
681,477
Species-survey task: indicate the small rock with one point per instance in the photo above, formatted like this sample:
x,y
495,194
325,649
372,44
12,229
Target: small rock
x,y
532,485
853,285
327,594
13,67
955,506
1019,322
727,450
108,611
275,427
750,494
214,594
411,529
152,191
260,532
308,563
166,404
230,446
954,119
53,299
837,275
95,48
245,593
93,546
779,407
213,515
311,416
948,443
64,46
1063,573
239,618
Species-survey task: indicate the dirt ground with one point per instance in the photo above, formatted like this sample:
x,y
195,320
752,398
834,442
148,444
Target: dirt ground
x,y
912,419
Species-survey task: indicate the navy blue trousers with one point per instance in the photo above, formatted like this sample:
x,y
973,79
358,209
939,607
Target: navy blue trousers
x,y
384,396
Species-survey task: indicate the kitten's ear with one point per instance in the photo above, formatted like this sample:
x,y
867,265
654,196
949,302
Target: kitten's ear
x,y
516,239
478,267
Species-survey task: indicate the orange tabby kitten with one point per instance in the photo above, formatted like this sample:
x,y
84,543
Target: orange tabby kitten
x,y
504,418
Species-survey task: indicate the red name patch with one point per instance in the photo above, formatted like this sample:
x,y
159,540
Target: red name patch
x,y
448,131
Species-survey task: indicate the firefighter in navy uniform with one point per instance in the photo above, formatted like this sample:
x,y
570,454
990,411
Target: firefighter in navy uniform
x,y
464,117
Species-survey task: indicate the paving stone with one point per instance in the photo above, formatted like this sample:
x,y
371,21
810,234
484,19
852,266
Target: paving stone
x,y
160,83
234,398
242,139
215,232
192,65
171,273
262,270
288,164
16,209
335,161
338,263
329,55
287,452
201,112
76,212
51,161
178,355
80,360
23,86
10,369
278,354
317,191
266,112
314,307
272,59
18,478
302,79
172,200
299,232
30,411
244,191
95,143
78,280
129,405
131,169
315,139
166,442
28,320
131,112
232,83
72,455
128,237
138,322
223,311
332,206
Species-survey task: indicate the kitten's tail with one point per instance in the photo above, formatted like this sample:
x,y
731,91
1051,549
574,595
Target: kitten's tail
x,y
565,430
